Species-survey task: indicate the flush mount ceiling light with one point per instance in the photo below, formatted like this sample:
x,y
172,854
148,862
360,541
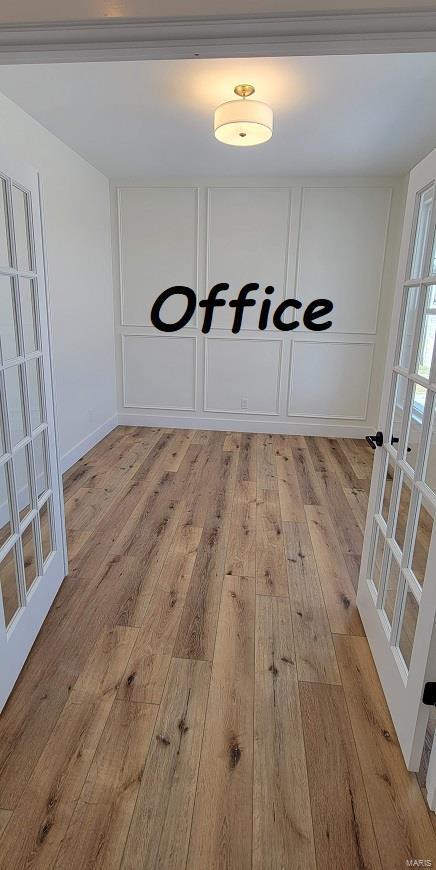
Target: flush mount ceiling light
x,y
243,122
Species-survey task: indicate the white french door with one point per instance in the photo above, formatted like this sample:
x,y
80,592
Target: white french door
x,y
397,585
32,540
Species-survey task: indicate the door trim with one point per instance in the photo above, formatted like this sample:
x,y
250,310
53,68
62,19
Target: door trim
x,y
220,36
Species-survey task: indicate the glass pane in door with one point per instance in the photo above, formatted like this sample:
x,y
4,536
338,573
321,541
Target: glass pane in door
x,y
21,462
387,488
416,414
20,208
35,394
399,407
421,542
433,257
8,324
408,627
410,311
29,556
390,593
421,235
15,404
40,449
46,531
377,558
427,336
402,511
9,586
29,314
429,475
5,507
5,256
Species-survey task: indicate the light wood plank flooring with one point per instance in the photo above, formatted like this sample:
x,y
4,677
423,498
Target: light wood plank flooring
x,y
202,694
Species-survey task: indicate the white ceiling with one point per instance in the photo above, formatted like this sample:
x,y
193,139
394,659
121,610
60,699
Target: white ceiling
x,y
347,115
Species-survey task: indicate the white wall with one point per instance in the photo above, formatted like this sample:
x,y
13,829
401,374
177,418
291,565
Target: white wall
x,y
77,222
310,238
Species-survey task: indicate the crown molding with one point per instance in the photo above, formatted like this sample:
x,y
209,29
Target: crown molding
x,y
218,36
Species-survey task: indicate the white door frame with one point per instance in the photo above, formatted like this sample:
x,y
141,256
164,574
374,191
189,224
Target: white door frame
x,y
267,35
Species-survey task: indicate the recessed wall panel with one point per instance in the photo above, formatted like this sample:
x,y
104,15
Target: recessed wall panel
x,y
341,252
242,375
330,379
248,237
159,372
158,249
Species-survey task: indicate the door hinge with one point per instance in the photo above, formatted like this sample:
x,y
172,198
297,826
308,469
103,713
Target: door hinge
x,y
429,695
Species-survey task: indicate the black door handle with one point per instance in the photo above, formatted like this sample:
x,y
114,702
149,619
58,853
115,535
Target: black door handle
x,y
375,440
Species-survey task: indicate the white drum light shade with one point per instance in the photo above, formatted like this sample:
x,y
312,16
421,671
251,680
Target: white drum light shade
x,y
243,122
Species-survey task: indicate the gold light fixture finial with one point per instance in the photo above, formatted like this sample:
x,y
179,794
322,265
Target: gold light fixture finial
x,y
244,91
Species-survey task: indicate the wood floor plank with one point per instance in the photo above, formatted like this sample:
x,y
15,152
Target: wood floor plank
x,y
306,476
100,823
241,547
159,832
338,463
352,562
271,576
199,480
41,818
314,649
358,501
347,529
344,835
291,504
70,630
401,822
197,630
247,462
86,507
81,471
5,815
127,508
178,451
148,665
359,456
201,436
147,546
221,834
266,465
282,821
232,441
319,461
338,590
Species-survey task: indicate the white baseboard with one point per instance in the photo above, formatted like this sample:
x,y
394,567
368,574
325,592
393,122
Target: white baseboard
x,y
79,450
228,424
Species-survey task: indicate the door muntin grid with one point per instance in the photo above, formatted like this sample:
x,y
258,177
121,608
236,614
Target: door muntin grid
x,y
23,420
413,405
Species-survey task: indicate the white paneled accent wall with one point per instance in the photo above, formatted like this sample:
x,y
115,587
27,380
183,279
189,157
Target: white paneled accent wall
x,y
248,232
336,239
342,250
242,367
170,364
158,248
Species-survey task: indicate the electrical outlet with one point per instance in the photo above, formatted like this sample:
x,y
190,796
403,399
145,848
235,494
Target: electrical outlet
x,y
244,404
